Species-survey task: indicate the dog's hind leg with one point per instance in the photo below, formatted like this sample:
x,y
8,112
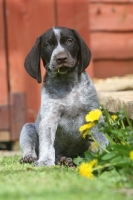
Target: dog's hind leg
x,y
29,143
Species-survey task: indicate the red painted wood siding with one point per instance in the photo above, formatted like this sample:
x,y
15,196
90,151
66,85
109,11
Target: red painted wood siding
x,y
74,14
111,25
25,21
3,69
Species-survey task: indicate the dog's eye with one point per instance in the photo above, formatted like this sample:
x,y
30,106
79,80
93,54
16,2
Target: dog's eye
x,y
48,45
69,41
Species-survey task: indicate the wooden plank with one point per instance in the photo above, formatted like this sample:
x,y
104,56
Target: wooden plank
x,y
104,69
26,20
112,45
3,72
112,1
4,136
4,118
74,14
29,17
17,114
110,17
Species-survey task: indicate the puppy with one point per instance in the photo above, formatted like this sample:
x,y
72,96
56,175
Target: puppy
x,y
67,95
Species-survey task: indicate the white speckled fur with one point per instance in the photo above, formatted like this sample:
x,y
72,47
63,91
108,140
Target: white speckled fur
x,y
58,49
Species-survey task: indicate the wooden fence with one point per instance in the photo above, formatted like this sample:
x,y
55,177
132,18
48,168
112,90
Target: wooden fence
x,y
105,25
21,21
111,25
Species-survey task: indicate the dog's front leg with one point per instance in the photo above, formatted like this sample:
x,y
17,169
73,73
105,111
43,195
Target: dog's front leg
x,y
47,132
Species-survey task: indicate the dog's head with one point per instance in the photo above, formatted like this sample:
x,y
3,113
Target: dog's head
x,y
61,50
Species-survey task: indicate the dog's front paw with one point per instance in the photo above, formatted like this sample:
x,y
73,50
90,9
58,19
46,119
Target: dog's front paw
x,y
43,163
28,159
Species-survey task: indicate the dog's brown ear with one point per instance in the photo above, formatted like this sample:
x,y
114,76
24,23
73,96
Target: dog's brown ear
x,y
32,62
84,53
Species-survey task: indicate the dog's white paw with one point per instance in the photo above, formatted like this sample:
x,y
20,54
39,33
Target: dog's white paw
x,y
43,163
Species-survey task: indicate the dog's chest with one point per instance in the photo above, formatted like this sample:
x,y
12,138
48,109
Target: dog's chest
x,y
74,103
73,110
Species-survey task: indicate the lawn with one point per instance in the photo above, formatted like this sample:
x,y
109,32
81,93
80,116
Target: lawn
x,y
108,173
18,182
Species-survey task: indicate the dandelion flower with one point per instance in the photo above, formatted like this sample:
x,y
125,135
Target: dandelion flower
x,y
93,115
84,134
86,127
93,162
131,155
114,117
86,169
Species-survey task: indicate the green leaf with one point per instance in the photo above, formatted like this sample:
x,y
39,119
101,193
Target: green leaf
x,y
78,160
109,156
89,156
121,161
122,149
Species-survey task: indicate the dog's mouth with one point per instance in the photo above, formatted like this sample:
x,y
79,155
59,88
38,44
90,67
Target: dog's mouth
x,y
63,70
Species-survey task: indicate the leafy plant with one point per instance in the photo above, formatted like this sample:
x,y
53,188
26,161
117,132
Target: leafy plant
x,y
118,155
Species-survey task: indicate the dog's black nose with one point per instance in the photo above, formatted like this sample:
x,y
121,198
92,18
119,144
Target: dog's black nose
x,y
61,59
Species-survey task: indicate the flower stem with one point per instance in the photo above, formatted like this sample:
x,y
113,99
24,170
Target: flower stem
x,y
128,121
109,138
122,124
102,167
100,145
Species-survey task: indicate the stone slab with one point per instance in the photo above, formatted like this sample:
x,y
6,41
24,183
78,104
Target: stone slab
x,y
116,92
115,83
114,101
10,153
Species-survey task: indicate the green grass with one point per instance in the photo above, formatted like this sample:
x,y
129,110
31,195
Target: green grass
x,y
18,182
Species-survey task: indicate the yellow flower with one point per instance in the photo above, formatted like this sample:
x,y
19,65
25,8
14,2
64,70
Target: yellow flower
x,y
131,155
86,169
93,162
114,117
93,115
93,147
84,128
84,134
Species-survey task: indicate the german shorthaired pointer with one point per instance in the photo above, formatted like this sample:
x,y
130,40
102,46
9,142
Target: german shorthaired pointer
x,y
67,95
